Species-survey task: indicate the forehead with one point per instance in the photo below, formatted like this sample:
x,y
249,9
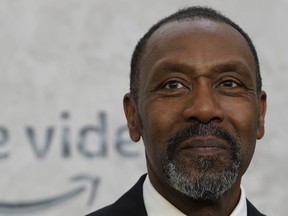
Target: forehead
x,y
195,27
201,39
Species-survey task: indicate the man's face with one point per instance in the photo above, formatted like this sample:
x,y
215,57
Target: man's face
x,y
198,111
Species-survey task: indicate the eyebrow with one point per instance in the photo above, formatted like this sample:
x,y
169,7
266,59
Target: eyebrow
x,y
164,68
232,65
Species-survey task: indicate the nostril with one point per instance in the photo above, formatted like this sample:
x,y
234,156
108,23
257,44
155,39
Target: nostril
x,y
195,119
203,112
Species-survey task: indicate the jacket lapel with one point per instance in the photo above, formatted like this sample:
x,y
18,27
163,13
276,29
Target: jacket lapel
x,y
252,211
132,202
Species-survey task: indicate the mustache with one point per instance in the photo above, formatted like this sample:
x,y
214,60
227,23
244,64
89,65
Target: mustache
x,y
200,129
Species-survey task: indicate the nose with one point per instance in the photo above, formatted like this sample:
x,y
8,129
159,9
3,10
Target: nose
x,y
203,105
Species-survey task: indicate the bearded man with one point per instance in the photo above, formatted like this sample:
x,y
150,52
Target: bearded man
x,y
197,102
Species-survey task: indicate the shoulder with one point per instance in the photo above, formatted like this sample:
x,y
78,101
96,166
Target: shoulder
x,y
131,203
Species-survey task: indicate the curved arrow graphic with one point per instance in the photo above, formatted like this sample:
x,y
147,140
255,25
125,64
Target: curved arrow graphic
x,y
32,206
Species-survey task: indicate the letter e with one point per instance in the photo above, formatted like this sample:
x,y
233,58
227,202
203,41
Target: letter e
x,y
4,136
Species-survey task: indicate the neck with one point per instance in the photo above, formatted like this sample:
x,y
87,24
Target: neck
x,y
218,207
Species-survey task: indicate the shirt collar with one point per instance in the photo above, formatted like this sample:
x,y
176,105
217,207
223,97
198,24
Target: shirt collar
x,y
157,205
241,208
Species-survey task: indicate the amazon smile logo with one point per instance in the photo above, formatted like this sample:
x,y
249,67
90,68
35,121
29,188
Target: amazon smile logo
x,y
50,202
64,141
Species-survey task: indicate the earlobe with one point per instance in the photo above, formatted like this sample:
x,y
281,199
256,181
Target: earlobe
x,y
131,117
262,113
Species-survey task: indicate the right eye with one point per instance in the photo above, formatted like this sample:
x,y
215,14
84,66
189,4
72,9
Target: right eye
x,y
173,85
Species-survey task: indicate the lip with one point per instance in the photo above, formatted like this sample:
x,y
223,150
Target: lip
x,y
204,145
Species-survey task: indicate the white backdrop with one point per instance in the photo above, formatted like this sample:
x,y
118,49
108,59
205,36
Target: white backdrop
x,y
64,68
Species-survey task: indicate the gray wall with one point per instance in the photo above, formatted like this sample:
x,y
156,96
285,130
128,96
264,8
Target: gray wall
x,y
64,67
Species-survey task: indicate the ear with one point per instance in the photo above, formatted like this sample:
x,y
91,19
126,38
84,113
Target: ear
x,y
262,112
133,121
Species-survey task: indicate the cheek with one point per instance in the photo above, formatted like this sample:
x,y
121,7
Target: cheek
x,y
161,119
159,122
244,122
243,115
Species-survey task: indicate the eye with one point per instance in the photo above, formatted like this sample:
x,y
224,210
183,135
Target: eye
x,y
173,85
229,84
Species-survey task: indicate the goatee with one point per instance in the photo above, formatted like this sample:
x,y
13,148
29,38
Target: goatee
x,y
204,182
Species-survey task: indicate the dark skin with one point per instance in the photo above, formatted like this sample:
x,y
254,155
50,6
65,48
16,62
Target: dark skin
x,y
196,71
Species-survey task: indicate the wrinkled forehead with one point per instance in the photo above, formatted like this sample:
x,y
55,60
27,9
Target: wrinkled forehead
x,y
173,32
191,26
194,26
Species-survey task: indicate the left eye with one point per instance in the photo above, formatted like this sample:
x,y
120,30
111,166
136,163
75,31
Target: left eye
x,y
229,84
173,85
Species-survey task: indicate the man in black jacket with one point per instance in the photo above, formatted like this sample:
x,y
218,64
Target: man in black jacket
x,y
197,102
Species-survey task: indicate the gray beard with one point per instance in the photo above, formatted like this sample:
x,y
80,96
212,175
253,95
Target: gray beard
x,y
201,184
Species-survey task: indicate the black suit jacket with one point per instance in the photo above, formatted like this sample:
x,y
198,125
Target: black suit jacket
x,y
132,204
